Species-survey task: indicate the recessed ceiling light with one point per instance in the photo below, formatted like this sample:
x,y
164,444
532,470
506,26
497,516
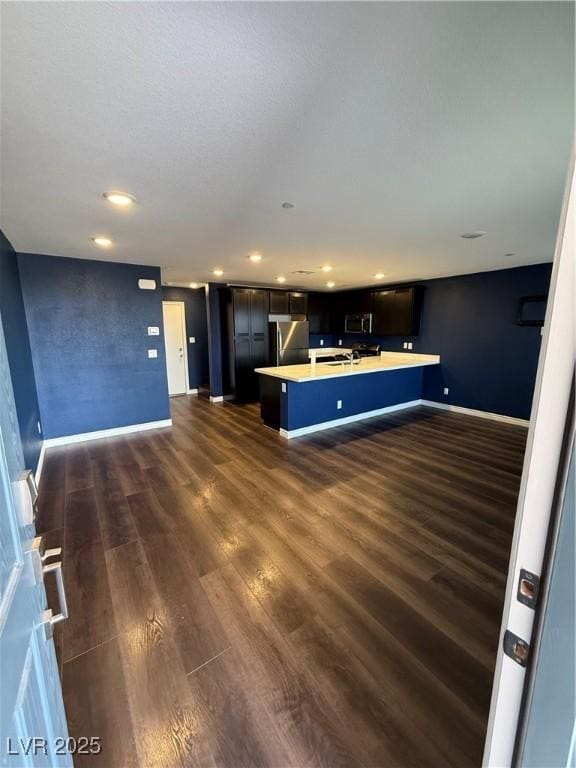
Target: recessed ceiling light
x,y
287,205
122,199
255,257
330,284
193,285
103,242
473,235
379,275
280,279
218,272
326,268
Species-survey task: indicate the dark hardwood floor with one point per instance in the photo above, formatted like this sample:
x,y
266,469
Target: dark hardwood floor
x,y
241,600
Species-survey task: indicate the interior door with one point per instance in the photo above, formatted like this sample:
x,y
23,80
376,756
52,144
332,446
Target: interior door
x,y
175,343
548,736
33,730
541,476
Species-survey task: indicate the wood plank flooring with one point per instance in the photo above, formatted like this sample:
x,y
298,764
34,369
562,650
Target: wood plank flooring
x,y
240,600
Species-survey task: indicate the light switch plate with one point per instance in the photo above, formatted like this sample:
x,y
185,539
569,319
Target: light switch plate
x,y
153,330
192,339
338,404
409,345
283,386
446,390
152,353
321,342
405,345
339,342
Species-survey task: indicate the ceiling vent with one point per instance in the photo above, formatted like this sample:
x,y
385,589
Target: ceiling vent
x,y
302,272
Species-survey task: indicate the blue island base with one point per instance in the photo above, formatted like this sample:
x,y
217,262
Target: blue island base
x,y
299,408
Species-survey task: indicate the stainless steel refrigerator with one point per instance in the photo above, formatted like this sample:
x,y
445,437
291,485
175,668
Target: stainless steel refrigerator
x,y
289,342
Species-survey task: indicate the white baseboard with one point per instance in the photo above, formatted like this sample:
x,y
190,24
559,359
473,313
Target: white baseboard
x,y
218,399
67,439
38,473
473,412
289,434
193,391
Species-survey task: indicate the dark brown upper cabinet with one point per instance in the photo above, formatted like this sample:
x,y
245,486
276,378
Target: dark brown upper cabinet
x,y
319,312
397,311
279,303
298,303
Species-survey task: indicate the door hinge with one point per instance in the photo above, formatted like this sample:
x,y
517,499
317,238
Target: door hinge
x,y
528,588
516,648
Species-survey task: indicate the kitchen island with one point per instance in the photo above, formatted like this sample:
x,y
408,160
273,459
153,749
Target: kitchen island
x,y
300,399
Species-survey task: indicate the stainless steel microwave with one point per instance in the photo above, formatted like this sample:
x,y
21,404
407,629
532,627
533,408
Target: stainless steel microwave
x,y
358,323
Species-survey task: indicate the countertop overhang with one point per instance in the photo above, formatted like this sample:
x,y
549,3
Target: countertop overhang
x,y
386,361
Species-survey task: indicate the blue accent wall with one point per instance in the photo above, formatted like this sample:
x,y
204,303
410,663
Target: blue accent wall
x,y
215,321
315,338
196,325
488,362
88,323
19,354
314,402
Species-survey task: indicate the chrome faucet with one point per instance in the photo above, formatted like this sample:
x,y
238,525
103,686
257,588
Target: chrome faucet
x,y
352,357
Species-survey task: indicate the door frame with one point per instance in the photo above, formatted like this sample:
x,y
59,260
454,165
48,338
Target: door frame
x,y
540,479
182,306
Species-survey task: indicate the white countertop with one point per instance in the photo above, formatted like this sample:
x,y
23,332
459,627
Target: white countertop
x,y
386,361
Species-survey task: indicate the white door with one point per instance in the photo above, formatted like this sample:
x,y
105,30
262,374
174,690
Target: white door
x,y
541,478
175,341
33,729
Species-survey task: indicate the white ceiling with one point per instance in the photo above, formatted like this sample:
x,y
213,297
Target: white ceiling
x,y
392,127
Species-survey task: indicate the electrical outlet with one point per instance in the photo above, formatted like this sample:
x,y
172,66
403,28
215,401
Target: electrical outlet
x,y
153,330
192,339
152,353
339,342
338,404
409,345
446,390
283,386
321,342
405,345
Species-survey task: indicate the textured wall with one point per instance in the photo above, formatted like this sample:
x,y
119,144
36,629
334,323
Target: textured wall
x,y
196,325
88,322
19,355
